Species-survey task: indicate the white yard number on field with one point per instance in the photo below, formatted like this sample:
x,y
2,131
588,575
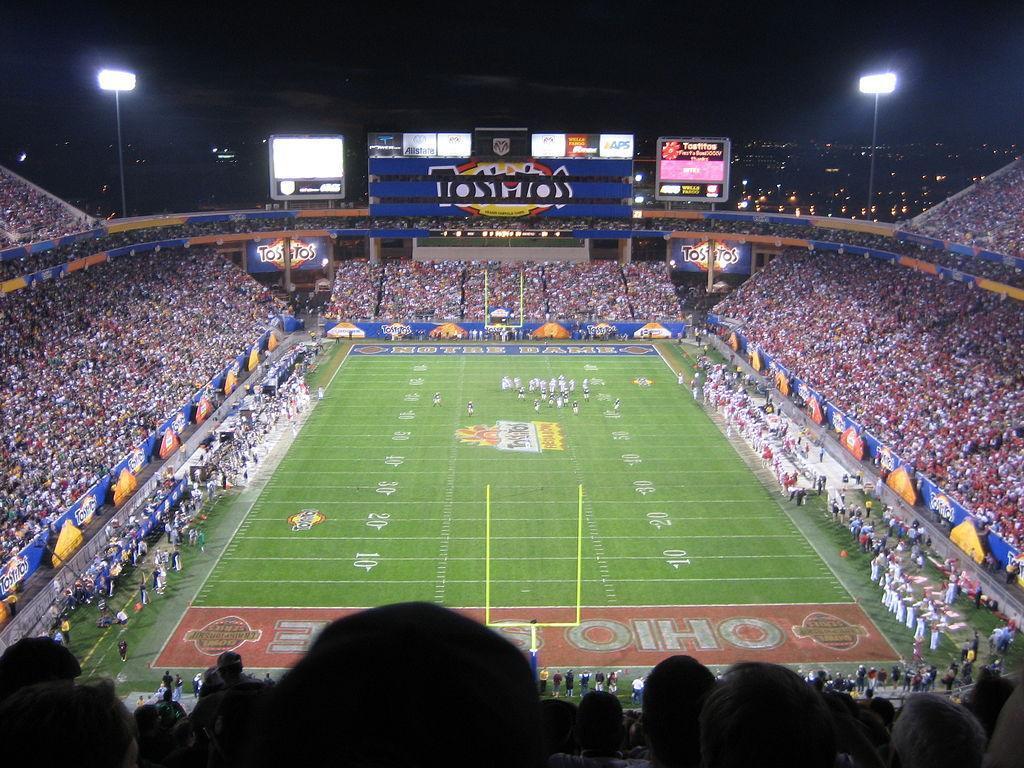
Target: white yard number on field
x,y
377,519
387,487
394,461
416,382
401,435
643,487
620,435
659,519
612,415
419,368
412,397
676,557
631,459
407,415
367,560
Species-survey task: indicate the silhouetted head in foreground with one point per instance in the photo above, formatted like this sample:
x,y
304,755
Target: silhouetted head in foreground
x,y
673,696
403,685
763,714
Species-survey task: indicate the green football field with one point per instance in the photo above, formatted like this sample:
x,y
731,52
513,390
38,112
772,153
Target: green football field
x,y
382,498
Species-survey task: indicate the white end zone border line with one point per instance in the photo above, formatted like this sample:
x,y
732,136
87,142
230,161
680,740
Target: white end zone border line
x,y
657,348
338,369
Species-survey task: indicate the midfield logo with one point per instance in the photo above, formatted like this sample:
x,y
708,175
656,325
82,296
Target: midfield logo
x,y
516,436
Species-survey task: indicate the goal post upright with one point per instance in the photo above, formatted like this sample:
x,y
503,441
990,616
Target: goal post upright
x,y
487,559
534,624
487,301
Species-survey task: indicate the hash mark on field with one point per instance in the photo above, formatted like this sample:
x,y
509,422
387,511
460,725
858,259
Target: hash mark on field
x,y
588,517
447,509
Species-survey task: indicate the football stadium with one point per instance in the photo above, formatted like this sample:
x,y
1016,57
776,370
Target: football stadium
x,y
512,446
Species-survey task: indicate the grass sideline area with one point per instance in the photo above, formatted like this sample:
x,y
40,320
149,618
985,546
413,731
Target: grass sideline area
x,y
743,544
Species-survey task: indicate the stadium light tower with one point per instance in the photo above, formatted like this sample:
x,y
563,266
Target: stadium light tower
x,y
117,81
875,85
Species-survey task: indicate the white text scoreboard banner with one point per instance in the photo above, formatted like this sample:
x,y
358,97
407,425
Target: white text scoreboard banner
x,y
692,169
307,167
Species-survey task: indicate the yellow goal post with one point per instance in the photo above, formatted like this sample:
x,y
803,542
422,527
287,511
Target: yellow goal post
x,y
534,625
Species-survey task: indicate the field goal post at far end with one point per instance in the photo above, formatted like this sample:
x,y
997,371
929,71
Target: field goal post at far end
x,y
487,303
533,625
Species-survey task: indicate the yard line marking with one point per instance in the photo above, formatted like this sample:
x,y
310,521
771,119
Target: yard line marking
x,y
518,607
532,558
632,518
520,581
514,538
630,502
447,507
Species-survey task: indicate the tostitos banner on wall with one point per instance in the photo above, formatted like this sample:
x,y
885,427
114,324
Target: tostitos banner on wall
x,y
268,255
699,255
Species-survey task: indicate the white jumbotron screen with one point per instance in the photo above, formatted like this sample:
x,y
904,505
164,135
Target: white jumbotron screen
x,y
319,157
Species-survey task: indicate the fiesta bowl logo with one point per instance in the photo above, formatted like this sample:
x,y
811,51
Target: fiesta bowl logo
x,y
136,461
888,460
643,382
515,436
306,519
527,189
700,254
830,631
224,634
273,253
15,571
942,506
396,330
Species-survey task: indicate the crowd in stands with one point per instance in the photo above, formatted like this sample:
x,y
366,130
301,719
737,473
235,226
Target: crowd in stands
x,y
503,281
994,270
90,364
474,701
356,290
430,289
588,290
28,214
927,367
650,294
988,214
553,290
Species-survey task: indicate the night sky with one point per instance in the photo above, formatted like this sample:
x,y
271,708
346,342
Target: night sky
x,y
218,74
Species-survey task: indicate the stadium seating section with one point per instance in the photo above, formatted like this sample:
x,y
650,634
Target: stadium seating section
x,y
988,215
28,214
930,368
90,364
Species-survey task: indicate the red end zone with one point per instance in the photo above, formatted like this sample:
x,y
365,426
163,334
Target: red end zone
x,y
607,637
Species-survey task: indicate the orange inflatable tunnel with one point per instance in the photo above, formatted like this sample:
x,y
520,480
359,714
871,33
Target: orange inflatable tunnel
x,y
448,331
550,331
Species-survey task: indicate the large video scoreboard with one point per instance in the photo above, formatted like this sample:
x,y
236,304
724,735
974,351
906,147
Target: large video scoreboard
x,y
500,172
307,167
692,169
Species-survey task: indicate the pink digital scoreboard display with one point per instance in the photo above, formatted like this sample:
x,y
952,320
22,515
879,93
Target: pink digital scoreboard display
x,y
692,169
